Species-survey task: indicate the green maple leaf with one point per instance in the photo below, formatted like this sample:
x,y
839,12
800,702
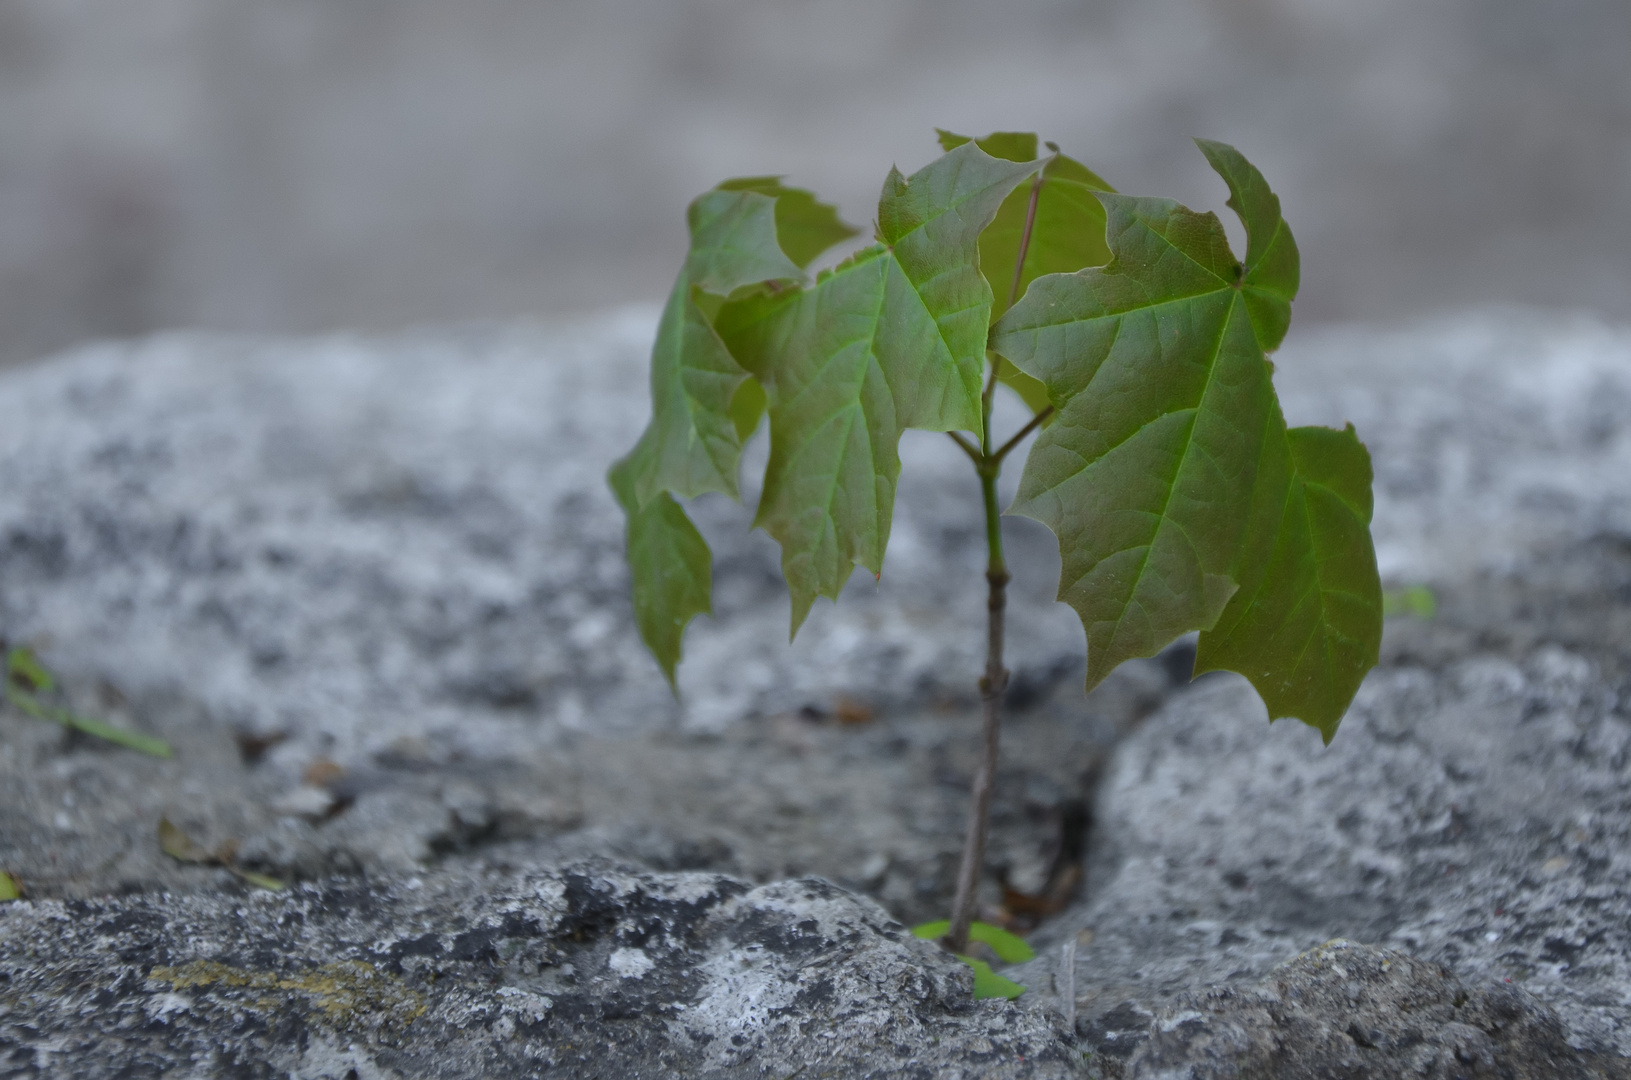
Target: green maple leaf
x,y
894,337
693,444
670,567
1306,623
704,404
1067,232
1169,476
805,226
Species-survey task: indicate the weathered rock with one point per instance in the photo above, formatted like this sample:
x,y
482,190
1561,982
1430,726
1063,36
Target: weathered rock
x,y
397,561
1369,1014
587,971
1471,812
372,591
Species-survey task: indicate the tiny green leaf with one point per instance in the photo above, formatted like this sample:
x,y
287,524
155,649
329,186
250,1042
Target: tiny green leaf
x,y
8,888
988,984
1010,948
131,740
25,672
892,338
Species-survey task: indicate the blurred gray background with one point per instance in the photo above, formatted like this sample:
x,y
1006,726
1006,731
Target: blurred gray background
x,y
299,165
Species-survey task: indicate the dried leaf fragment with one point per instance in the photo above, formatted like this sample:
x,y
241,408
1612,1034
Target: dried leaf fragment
x,y
175,842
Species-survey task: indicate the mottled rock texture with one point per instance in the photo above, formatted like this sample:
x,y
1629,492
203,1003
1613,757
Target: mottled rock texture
x,y
372,591
586,971
1347,1010
1471,812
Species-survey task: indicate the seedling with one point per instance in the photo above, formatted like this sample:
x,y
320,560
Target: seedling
x,y
1180,499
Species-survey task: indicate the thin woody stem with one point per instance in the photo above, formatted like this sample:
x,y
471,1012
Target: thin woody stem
x,y
992,686
995,680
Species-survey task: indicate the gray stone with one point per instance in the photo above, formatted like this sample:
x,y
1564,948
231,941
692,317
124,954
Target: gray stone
x,y
388,571
586,971
1353,1011
1470,812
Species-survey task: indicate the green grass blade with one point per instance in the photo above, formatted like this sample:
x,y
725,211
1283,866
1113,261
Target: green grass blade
x,y
131,740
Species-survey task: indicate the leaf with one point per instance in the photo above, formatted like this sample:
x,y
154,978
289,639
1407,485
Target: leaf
x,y
670,567
704,405
805,227
181,847
692,444
174,842
1416,600
1010,948
1310,627
1066,235
25,672
1169,475
260,881
8,888
1068,232
988,984
892,338
131,740
1163,398
1272,267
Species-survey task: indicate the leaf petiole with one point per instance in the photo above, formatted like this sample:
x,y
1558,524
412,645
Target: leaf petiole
x,y
968,448
1035,422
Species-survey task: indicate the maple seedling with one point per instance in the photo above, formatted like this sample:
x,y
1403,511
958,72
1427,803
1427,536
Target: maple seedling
x,y
1181,500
